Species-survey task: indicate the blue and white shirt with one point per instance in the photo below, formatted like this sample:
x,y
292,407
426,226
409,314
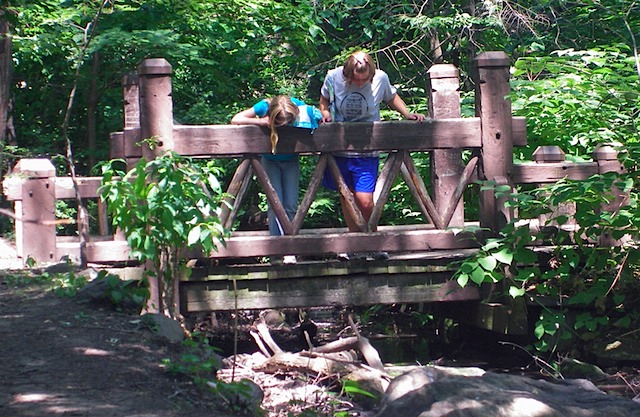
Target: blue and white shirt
x,y
308,117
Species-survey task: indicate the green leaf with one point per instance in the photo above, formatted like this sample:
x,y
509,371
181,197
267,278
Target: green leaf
x,y
504,256
463,280
478,275
515,292
525,256
194,236
352,387
489,263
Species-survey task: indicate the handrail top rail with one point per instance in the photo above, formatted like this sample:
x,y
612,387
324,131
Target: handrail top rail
x,y
384,136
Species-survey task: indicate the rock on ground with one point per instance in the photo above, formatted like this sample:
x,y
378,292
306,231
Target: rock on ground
x,y
426,392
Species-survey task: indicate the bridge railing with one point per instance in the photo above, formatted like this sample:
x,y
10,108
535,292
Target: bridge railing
x,y
491,136
148,114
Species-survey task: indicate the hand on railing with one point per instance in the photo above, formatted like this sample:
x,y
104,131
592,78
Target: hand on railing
x,y
415,116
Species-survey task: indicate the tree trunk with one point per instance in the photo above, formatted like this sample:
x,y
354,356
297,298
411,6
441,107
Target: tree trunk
x,y
92,104
7,134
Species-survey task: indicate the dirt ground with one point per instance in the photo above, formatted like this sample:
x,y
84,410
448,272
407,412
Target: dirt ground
x,y
64,358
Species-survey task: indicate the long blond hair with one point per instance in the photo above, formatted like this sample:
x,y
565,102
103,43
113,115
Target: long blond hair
x,y
281,112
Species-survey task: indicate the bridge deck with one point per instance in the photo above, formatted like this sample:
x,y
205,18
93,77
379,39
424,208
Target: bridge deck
x,y
406,278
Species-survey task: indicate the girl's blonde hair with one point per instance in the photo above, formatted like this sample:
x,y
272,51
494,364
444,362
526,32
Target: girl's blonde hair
x,y
359,62
281,111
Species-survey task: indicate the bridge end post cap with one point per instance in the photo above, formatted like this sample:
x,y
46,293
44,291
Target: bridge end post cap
x,y
443,71
605,153
492,59
154,66
35,168
548,153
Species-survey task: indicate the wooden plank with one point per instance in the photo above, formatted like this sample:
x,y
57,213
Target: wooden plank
x,y
38,230
307,292
116,145
218,140
519,131
88,187
408,238
225,140
104,251
252,245
550,172
318,269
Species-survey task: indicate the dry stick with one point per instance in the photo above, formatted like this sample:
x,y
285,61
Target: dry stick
x,y
13,215
308,339
83,216
537,360
260,343
338,345
617,278
628,385
370,353
263,330
235,329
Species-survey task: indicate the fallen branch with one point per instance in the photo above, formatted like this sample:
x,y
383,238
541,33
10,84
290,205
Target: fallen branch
x,y
370,354
263,331
338,345
260,344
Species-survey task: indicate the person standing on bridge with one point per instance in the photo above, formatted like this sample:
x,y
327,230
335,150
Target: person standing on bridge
x,y
353,93
283,170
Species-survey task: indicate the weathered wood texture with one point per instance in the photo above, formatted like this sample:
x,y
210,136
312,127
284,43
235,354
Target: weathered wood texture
x,y
148,120
230,140
322,284
446,164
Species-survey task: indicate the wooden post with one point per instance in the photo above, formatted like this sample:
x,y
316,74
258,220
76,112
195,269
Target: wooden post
x,y
156,106
494,109
131,96
446,165
607,158
156,124
35,226
120,141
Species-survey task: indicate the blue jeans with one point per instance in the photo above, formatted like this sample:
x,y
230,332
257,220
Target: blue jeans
x,y
285,178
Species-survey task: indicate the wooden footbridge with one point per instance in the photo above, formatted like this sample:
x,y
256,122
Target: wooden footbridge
x,y
462,152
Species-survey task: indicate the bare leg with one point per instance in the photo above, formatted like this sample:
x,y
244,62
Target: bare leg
x,y
364,202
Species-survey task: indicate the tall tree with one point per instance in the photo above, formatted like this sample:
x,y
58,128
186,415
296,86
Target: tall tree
x,y
7,133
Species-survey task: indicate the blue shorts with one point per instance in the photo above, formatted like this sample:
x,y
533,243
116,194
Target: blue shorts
x,y
360,173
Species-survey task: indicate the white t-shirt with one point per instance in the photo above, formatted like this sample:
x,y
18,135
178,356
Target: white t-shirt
x,y
357,104
350,103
